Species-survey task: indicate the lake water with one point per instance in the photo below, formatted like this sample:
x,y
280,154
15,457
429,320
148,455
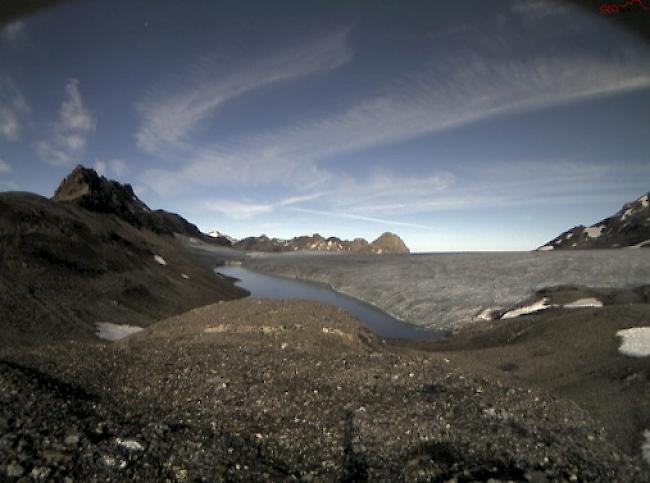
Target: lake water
x,y
274,287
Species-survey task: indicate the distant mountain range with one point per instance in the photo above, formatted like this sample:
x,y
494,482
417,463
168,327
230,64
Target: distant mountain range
x,y
629,227
387,243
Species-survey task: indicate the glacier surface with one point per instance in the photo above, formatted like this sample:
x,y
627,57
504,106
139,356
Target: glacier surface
x,y
448,290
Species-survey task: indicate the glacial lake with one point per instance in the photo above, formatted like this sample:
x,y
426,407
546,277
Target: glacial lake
x,y
262,286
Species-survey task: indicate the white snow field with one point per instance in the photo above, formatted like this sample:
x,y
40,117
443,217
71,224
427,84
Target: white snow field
x,y
635,342
584,303
113,332
448,290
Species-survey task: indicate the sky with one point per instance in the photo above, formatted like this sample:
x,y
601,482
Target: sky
x,y
458,125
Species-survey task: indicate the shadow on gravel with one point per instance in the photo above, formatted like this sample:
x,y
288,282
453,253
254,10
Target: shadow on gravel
x,y
59,388
448,460
355,466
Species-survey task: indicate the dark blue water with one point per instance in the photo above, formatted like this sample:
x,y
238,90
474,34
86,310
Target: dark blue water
x,y
263,286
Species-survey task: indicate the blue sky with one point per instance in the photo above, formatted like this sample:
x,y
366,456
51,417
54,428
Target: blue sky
x,y
475,126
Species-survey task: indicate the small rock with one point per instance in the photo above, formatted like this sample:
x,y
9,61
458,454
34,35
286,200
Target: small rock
x,y
40,473
14,470
53,456
114,462
71,439
129,444
180,474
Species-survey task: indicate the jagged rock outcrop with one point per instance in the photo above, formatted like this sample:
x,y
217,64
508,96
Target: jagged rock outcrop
x,y
629,227
85,188
387,243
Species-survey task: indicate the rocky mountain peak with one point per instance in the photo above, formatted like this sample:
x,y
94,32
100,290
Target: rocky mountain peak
x,y
389,243
86,188
628,227
83,186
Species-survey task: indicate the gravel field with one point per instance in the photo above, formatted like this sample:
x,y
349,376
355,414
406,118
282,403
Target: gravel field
x,y
294,391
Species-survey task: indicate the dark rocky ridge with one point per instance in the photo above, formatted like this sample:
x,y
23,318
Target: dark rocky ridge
x,y
88,256
629,227
387,243
85,188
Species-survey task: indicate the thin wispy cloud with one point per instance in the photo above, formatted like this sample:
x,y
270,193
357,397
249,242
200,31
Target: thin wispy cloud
x,y
13,31
70,132
541,8
9,186
5,167
452,92
238,210
167,118
352,216
114,167
13,110
527,183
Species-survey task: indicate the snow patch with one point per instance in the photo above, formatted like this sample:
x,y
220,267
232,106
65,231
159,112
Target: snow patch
x,y
569,235
528,309
488,314
635,341
546,248
113,332
641,244
627,214
644,201
594,231
645,447
159,259
185,276
581,303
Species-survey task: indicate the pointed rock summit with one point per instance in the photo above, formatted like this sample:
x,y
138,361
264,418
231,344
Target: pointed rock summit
x,y
86,188
89,190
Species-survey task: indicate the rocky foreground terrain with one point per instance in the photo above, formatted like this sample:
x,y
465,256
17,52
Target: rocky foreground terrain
x,y
94,253
629,227
294,391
